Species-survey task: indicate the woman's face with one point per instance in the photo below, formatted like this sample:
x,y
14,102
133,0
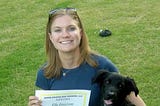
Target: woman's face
x,y
65,34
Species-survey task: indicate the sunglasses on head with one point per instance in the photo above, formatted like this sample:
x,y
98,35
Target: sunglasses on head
x,y
60,9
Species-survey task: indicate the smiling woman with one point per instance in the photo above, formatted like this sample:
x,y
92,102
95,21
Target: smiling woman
x,y
71,64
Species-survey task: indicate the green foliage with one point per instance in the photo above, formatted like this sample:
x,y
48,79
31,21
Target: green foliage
x,y
133,46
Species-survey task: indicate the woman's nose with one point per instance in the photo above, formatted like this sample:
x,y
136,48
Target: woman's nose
x,y
65,33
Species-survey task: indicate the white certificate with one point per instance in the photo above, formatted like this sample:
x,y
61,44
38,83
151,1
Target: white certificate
x,y
63,97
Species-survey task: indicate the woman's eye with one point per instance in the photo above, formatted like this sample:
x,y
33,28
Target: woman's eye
x,y
72,29
57,30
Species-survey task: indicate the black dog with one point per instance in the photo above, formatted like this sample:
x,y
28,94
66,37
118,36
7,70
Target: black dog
x,y
114,88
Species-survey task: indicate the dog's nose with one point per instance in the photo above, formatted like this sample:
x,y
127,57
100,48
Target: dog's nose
x,y
111,94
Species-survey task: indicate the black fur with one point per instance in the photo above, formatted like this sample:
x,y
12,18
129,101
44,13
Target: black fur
x,y
114,88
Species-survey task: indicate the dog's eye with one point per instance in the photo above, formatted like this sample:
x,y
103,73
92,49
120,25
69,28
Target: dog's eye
x,y
107,81
120,85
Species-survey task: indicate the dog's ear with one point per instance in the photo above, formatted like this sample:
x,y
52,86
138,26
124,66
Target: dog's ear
x,y
100,76
131,86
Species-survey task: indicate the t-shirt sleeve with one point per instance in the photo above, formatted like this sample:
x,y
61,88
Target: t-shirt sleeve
x,y
41,81
105,63
110,66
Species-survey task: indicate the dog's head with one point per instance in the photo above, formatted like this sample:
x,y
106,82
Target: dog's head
x,y
114,87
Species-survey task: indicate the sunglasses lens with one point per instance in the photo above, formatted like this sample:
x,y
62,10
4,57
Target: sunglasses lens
x,y
52,12
66,9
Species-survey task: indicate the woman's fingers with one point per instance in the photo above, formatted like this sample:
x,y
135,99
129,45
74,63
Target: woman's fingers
x,y
34,101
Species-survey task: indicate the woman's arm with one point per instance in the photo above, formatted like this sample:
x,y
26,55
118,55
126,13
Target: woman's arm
x,y
137,100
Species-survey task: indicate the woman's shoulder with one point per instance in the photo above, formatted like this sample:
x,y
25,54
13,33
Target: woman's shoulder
x,y
40,72
100,58
41,81
104,63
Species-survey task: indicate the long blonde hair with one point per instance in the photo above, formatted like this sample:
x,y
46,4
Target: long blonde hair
x,y
54,65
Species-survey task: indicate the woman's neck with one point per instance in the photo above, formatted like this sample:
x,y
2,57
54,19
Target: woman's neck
x,y
70,60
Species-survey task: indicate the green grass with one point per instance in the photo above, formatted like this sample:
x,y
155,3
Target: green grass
x,y
133,46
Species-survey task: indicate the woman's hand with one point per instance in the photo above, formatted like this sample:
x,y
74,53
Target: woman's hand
x,y
135,100
34,101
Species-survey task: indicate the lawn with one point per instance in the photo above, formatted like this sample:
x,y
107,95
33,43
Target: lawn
x,y
133,46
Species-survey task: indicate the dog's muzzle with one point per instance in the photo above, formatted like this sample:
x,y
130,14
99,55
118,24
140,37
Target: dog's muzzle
x,y
109,97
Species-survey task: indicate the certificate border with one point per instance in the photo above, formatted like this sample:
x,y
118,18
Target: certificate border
x,y
65,92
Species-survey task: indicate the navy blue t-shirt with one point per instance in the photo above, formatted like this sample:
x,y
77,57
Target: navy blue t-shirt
x,y
78,78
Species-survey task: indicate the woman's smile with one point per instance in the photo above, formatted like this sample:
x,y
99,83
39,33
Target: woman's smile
x,y
66,42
